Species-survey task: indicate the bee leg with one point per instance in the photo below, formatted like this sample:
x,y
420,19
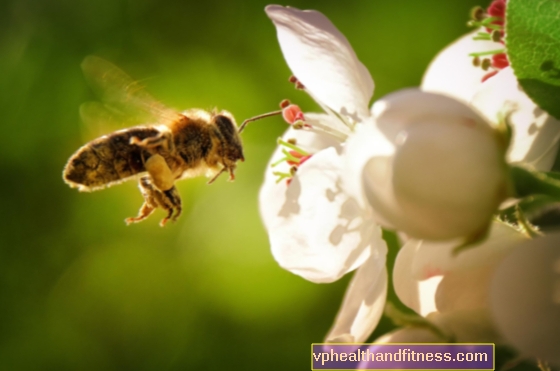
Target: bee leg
x,y
165,193
231,174
153,198
171,201
163,140
150,203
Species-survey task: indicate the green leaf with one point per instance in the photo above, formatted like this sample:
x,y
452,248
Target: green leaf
x,y
533,47
529,182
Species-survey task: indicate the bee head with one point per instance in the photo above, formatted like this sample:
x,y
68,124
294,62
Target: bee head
x,y
233,148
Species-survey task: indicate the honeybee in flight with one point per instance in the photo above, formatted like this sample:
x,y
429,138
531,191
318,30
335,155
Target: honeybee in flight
x,y
175,146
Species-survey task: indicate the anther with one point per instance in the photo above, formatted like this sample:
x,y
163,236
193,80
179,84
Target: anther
x,y
292,141
285,103
477,13
486,63
295,81
496,36
476,61
293,170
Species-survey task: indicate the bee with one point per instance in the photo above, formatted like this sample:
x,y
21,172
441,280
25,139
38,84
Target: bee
x,y
176,145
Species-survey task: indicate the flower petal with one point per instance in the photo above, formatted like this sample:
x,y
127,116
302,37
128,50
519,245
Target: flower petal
x,y
417,294
322,59
318,232
429,276
272,196
366,142
535,132
329,124
452,72
363,302
525,298
439,257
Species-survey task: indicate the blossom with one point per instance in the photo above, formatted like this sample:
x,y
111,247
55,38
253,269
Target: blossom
x,y
321,222
536,134
316,229
503,290
452,290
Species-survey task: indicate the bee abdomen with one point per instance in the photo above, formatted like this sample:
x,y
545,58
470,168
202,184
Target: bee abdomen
x,y
107,160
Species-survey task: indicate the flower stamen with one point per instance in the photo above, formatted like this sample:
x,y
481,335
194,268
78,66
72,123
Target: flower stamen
x,y
295,157
296,82
493,20
292,147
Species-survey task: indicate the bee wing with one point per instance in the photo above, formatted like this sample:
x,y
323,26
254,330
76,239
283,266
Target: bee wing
x,y
121,93
99,119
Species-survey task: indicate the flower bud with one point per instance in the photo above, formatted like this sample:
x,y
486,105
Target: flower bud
x,y
447,175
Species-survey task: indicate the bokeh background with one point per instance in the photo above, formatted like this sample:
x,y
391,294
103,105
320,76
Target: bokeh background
x,y
79,290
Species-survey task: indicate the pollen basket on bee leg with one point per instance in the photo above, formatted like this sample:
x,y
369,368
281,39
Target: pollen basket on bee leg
x,y
159,171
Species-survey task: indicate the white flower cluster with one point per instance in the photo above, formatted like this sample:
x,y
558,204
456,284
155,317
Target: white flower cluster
x,y
431,163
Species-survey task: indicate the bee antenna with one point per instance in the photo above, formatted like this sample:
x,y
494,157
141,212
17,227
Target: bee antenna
x,y
264,115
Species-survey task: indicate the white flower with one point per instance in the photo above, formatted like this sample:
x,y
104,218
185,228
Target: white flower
x,y
505,290
410,158
316,229
536,134
452,72
430,166
525,298
452,291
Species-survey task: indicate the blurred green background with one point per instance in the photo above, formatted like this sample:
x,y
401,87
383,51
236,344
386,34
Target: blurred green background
x,y
79,290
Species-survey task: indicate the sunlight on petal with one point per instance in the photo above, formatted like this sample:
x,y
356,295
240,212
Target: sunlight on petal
x,y
322,59
417,294
428,276
366,142
452,72
535,133
272,195
319,232
364,300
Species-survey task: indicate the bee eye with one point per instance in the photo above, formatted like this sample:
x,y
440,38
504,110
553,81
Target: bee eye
x,y
228,129
225,125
